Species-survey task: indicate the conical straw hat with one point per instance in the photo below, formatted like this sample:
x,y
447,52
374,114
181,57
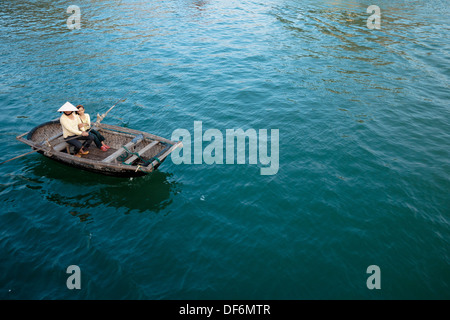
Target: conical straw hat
x,y
67,107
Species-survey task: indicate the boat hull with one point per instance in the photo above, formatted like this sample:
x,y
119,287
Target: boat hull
x,y
133,153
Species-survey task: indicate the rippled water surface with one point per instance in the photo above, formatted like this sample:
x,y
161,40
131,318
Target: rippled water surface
x,y
364,169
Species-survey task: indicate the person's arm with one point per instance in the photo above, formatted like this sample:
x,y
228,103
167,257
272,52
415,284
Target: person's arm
x,y
81,124
84,133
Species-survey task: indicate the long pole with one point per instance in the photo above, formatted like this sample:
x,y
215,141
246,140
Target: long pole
x,y
22,155
33,151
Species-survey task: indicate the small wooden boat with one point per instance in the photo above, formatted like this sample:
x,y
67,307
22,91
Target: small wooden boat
x,y
133,153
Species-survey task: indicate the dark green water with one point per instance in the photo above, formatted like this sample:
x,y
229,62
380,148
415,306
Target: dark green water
x,y
364,169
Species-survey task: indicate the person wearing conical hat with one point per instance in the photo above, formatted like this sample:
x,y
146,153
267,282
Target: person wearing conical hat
x,y
71,133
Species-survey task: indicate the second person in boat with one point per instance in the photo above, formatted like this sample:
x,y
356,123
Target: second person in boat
x,y
85,125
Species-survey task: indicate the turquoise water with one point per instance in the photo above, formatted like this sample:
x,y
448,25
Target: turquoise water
x,y
364,169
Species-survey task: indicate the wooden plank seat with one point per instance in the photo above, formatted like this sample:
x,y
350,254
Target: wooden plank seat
x,y
141,151
61,146
122,150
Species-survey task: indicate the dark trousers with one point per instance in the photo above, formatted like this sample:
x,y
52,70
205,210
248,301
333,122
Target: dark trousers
x,y
98,138
77,143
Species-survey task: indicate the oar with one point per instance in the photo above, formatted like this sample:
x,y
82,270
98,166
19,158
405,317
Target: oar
x,y
32,151
99,119
22,155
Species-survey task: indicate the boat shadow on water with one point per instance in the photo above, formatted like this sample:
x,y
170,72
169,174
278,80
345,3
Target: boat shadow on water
x,y
84,192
